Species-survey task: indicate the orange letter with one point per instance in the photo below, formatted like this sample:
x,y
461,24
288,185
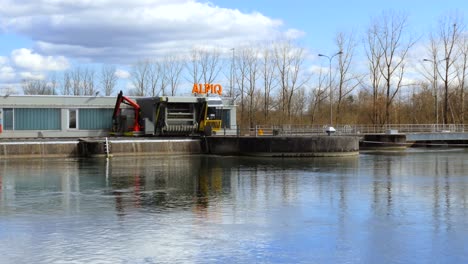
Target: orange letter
x,y
218,89
195,88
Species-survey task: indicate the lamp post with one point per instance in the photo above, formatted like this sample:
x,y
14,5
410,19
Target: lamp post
x,y
436,92
434,84
231,89
330,58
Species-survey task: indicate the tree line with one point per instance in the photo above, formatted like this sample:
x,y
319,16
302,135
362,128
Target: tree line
x,y
275,83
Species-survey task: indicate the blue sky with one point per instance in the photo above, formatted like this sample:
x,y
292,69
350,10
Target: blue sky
x,y
321,20
42,36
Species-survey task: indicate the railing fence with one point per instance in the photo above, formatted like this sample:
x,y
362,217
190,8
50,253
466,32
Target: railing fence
x,y
302,130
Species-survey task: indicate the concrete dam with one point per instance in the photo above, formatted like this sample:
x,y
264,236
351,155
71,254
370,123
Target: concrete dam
x,y
274,146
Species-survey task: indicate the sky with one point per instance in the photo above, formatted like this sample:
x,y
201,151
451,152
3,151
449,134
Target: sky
x,y
42,37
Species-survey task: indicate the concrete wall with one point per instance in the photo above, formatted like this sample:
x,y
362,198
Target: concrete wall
x,y
256,146
384,141
26,149
282,146
134,147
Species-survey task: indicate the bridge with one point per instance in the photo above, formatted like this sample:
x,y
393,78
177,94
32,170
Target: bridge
x,y
413,132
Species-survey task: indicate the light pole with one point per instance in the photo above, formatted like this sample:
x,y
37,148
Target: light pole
x,y
231,89
436,92
330,58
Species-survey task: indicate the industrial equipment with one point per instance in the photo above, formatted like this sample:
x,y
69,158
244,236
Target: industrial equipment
x,y
126,121
169,115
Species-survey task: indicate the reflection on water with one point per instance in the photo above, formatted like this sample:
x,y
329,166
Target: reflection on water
x,y
404,208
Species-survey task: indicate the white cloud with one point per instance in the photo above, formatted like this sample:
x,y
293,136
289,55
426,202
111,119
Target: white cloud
x,y
126,31
32,75
7,73
122,74
3,60
26,59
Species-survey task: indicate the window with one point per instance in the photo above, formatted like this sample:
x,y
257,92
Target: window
x,y
95,119
226,118
72,118
8,118
37,119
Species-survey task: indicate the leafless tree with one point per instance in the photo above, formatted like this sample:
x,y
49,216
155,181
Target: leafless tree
x,y
139,77
210,64
391,41
447,36
67,84
462,72
76,80
347,82
155,78
173,67
318,95
267,66
108,79
374,55
289,61
251,57
241,73
193,66
204,65
299,103
88,82
37,87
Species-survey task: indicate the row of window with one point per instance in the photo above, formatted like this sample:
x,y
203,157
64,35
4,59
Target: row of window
x,y
51,119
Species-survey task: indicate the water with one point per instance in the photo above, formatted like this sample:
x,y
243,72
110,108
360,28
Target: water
x,y
406,207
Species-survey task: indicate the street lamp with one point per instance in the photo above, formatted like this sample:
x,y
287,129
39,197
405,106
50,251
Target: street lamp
x,y
231,89
330,58
436,92
434,84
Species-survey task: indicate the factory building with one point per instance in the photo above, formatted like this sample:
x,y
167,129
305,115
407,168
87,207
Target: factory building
x,y
41,116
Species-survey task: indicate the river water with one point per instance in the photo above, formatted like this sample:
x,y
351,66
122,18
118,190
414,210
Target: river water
x,y
402,207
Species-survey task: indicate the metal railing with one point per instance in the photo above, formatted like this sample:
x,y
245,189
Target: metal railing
x,y
303,130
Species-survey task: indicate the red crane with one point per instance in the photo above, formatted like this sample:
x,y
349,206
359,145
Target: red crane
x,y
123,99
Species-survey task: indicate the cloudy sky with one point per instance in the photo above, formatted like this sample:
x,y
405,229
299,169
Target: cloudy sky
x,y
42,36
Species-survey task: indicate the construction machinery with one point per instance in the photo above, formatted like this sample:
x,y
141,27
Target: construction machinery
x,y
126,121
168,116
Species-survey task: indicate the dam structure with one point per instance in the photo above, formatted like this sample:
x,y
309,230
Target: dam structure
x,y
92,126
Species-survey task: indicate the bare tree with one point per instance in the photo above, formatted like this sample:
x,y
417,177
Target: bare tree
x,y
374,55
139,77
173,67
251,57
289,61
347,82
204,65
155,77
447,37
210,64
299,102
88,82
267,66
390,36
108,79
462,72
67,83
241,73
318,95
76,80
193,66
37,87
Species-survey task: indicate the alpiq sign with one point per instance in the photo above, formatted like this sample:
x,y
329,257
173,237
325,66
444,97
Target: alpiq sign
x,y
200,88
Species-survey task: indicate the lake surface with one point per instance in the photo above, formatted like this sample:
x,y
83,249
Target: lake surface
x,y
408,207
